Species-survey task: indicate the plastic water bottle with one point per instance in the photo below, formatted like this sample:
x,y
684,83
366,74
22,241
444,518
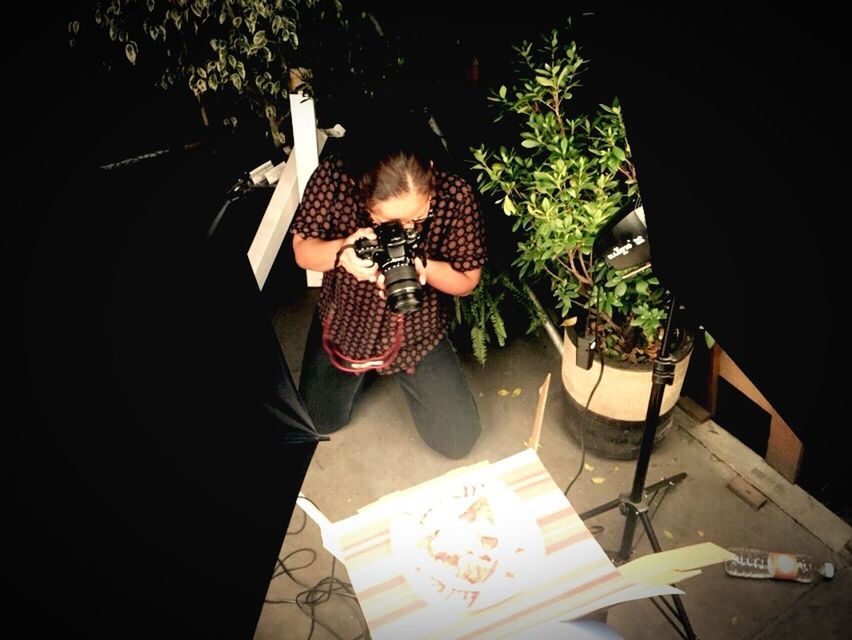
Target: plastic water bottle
x,y
754,563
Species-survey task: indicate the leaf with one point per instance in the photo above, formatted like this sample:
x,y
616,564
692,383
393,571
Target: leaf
x,y
516,392
498,325
509,206
620,288
588,467
502,392
598,480
457,304
477,339
529,143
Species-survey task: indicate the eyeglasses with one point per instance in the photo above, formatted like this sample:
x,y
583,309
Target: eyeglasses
x,y
422,222
418,223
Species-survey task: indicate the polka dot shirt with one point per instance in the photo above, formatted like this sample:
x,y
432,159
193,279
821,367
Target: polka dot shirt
x,y
361,325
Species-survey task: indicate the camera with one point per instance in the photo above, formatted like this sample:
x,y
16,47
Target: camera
x,y
394,250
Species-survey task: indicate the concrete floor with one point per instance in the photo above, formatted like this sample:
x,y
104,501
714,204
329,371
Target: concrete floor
x,y
380,452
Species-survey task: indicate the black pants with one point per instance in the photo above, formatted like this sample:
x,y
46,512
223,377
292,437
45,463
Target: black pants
x,y
438,396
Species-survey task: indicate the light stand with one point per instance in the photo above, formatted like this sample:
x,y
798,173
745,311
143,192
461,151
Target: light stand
x,y
626,245
634,506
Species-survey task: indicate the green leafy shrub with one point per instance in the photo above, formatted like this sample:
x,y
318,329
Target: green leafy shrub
x,y
566,177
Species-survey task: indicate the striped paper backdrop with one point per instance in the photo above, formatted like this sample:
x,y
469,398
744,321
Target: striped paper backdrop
x,y
571,578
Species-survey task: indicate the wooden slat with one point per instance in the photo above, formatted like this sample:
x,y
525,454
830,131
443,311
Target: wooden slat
x,y
784,449
276,220
712,393
305,141
273,227
790,498
533,442
747,492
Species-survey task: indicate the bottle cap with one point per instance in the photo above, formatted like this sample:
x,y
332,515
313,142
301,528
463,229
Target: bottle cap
x,y
828,570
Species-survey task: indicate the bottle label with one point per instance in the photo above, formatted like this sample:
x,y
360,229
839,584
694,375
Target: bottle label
x,y
783,566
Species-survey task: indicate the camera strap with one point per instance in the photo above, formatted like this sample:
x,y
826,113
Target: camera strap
x,y
340,253
352,365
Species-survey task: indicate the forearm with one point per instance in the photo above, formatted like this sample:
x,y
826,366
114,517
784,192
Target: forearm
x,y
316,254
443,277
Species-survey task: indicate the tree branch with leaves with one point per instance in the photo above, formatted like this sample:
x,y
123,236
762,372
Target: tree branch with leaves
x,y
246,48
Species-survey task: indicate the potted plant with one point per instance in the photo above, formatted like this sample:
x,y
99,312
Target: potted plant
x,y
569,174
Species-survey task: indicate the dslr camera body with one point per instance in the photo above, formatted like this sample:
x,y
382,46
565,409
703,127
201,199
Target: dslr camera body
x,y
394,250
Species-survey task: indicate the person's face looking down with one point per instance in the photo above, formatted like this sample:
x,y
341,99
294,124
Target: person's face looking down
x,y
410,209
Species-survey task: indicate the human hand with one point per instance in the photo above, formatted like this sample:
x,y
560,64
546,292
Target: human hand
x,y
421,270
361,268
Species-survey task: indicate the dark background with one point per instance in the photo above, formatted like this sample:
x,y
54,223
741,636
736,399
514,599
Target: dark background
x,y
153,450
739,136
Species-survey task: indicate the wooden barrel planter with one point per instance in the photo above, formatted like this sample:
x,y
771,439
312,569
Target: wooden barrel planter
x,y
614,424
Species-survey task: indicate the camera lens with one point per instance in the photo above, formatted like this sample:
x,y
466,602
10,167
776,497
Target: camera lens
x,y
402,288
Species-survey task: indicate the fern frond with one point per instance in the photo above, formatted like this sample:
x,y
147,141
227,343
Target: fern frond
x,y
498,325
477,339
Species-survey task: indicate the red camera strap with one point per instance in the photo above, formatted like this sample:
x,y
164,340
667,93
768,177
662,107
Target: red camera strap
x,y
351,365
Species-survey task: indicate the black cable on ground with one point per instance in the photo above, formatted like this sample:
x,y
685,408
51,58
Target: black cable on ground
x,y
318,594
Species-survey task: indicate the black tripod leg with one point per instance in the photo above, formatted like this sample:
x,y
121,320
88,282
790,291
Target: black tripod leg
x,y
596,511
667,611
683,618
612,504
666,482
631,513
